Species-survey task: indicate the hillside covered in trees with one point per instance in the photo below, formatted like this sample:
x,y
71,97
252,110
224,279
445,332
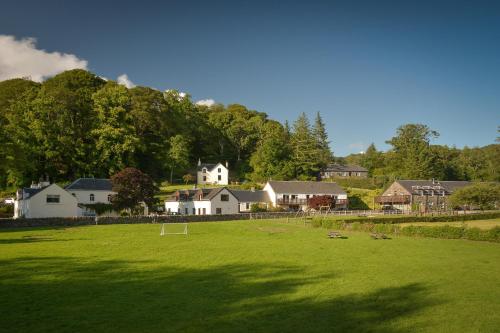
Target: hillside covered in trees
x,y
76,124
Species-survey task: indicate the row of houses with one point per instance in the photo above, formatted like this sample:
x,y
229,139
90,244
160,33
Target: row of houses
x,y
218,173
288,195
43,199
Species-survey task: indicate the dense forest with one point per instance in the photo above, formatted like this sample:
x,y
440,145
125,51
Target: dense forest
x,y
76,124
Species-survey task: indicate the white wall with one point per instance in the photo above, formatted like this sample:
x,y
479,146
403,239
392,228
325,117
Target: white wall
x,y
83,196
228,207
213,176
243,205
38,207
270,193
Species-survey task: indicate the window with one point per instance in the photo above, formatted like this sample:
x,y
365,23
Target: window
x,y
186,211
204,211
219,177
109,197
53,198
204,170
204,178
224,197
199,211
194,211
247,205
219,170
218,210
73,194
92,197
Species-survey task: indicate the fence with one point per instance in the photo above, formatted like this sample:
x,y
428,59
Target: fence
x,y
65,222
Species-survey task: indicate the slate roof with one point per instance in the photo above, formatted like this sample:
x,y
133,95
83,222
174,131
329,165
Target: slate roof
x,y
31,192
306,187
449,186
344,168
251,196
209,166
91,184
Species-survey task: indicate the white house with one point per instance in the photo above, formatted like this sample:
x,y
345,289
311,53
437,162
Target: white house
x,y
213,174
202,202
88,191
248,198
295,195
44,200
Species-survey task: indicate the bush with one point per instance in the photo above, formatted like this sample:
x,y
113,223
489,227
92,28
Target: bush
x,y
257,208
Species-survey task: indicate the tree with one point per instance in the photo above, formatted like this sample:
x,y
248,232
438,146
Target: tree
x,y
413,158
372,159
320,135
116,140
304,149
132,187
482,195
188,178
321,201
271,159
178,154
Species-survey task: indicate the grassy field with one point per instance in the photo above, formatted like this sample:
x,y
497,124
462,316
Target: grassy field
x,y
481,224
247,276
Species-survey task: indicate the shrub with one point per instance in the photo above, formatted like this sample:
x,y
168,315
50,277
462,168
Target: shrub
x,y
257,208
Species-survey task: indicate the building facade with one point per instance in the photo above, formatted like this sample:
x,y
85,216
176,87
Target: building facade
x,y
89,191
419,195
343,171
212,174
44,200
295,195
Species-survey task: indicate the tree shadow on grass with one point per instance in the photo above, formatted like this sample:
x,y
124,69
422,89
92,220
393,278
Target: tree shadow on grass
x,y
68,294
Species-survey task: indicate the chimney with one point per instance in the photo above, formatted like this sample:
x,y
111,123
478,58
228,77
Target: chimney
x,y
199,161
227,165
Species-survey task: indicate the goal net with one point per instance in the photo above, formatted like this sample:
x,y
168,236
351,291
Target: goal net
x,y
174,229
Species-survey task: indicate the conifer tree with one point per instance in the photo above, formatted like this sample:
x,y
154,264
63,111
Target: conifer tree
x,y
324,152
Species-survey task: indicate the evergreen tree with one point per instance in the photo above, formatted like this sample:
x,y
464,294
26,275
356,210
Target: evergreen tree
x,y
320,135
304,149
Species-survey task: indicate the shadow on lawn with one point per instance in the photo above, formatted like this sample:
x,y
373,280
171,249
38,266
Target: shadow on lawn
x,y
65,294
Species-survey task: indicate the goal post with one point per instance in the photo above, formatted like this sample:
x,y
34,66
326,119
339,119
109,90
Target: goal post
x,y
174,229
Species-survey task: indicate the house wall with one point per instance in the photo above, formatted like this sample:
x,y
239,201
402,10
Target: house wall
x,y
243,206
83,196
270,192
395,189
38,207
212,176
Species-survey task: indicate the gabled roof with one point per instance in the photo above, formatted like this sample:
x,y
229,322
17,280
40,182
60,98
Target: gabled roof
x,y
209,166
31,192
210,193
344,168
305,187
91,184
251,196
448,186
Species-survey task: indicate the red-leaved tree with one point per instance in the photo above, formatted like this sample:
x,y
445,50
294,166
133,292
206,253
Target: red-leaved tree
x,y
321,200
132,187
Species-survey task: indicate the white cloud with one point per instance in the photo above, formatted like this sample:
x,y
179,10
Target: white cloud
x,y
124,80
21,58
206,102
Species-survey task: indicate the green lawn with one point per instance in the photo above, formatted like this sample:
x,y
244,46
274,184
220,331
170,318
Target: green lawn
x,y
247,276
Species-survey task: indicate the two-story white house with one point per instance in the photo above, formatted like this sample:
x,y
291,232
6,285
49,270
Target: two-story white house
x,y
212,174
89,191
202,202
295,195
44,200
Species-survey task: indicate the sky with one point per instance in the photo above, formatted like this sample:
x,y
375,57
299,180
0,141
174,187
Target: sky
x,y
366,66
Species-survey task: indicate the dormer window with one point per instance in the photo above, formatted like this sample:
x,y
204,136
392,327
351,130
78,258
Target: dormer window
x,y
204,170
219,170
92,197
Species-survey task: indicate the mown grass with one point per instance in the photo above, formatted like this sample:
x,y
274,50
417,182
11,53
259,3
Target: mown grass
x,y
246,276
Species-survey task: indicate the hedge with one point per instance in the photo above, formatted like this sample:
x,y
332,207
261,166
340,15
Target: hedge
x,y
437,218
446,232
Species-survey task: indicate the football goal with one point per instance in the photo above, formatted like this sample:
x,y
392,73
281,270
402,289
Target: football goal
x,y
174,229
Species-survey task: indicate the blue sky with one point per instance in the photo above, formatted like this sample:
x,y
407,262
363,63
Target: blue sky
x,y
367,67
